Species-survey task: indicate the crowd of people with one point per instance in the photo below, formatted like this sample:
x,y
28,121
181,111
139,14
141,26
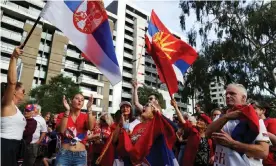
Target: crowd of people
x,y
242,135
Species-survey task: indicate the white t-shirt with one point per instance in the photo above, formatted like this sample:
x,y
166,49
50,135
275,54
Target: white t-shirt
x,y
227,157
40,128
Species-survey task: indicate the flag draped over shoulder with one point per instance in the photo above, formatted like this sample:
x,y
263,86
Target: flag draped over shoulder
x,y
153,146
248,128
86,24
163,46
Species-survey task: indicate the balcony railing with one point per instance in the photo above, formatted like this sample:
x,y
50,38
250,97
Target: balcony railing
x,y
7,48
73,54
71,66
89,80
11,35
89,68
13,22
41,60
44,48
127,64
40,74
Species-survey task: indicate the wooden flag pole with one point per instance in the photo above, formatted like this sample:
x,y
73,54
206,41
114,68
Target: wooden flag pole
x,y
30,33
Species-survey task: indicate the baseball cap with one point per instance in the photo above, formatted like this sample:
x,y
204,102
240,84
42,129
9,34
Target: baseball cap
x,y
125,103
29,107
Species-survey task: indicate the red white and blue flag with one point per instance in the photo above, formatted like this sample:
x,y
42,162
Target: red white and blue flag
x,y
163,46
85,23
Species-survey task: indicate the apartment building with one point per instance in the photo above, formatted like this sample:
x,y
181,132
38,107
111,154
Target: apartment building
x,y
217,92
49,53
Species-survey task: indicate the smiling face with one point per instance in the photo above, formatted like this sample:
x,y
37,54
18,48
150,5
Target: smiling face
x,y
201,124
78,101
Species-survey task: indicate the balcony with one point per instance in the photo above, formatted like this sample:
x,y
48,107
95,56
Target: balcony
x,y
127,74
40,74
88,93
129,20
42,61
46,36
110,98
128,55
88,80
44,48
71,66
73,54
129,29
150,78
7,48
127,64
3,77
126,95
128,46
74,78
12,22
5,63
147,59
127,84
89,68
38,3
128,37
11,35
150,69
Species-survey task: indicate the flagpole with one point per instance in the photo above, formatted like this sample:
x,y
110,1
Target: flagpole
x,y
30,33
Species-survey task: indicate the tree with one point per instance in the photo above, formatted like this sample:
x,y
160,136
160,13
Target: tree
x,y
144,92
245,51
50,95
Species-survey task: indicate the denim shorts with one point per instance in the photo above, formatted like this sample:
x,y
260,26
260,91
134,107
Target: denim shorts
x,y
69,158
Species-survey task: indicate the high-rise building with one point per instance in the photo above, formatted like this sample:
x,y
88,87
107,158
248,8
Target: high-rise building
x,y
217,92
49,53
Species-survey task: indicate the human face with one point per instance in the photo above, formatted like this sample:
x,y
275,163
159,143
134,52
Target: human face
x,y
147,111
234,96
197,108
201,124
55,118
28,114
20,94
259,111
215,114
125,110
78,101
152,98
47,117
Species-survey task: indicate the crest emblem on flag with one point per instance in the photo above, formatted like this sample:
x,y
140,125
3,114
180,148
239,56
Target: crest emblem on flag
x,y
88,16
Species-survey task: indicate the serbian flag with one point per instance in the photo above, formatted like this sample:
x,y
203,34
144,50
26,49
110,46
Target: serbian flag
x,y
153,147
85,23
179,54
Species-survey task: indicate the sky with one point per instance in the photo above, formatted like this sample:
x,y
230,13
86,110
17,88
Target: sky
x,y
168,11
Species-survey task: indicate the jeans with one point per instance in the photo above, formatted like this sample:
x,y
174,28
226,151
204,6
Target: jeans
x,y
181,154
69,158
30,154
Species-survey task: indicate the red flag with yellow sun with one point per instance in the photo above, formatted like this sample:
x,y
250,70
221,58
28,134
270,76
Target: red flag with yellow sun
x,y
168,51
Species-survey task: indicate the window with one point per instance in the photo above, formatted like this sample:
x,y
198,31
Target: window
x,y
110,91
109,104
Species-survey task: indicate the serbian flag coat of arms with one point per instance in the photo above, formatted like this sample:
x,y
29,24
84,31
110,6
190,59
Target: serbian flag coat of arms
x,y
85,23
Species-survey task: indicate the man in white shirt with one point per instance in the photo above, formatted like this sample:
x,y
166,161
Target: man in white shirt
x,y
230,152
40,132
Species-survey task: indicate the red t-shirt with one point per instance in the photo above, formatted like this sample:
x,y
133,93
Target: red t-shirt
x,y
270,124
75,130
105,132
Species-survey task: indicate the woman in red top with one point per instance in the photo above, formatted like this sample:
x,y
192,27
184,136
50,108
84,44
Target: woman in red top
x,y
263,110
100,135
73,126
198,151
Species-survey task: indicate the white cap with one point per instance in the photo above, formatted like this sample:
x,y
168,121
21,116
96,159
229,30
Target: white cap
x,y
125,103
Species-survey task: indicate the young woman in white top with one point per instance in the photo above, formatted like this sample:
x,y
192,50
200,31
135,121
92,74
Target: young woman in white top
x,y
12,120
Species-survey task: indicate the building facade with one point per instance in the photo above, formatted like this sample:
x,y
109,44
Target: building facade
x,y
49,53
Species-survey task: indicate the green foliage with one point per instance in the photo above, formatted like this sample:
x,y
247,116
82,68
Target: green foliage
x,y
244,51
49,96
145,91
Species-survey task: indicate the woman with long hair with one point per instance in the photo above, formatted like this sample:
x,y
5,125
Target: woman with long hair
x,y
73,126
199,149
12,120
100,135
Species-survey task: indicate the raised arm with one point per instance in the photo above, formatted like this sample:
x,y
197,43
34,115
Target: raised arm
x,y
178,113
12,79
90,117
218,124
63,124
135,96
